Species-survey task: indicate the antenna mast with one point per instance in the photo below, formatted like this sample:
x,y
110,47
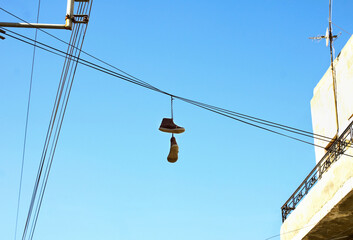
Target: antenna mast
x,y
330,36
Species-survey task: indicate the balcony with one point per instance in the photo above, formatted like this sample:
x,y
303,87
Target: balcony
x,y
322,206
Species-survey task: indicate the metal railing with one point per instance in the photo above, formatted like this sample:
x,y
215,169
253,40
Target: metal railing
x,y
338,147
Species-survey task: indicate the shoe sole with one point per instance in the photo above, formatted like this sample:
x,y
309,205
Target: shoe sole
x,y
168,130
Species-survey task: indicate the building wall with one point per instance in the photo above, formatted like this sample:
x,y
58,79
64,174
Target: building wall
x,y
323,106
326,212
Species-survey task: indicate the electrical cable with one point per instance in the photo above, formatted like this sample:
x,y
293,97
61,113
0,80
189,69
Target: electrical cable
x,y
55,123
269,122
58,127
221,111
265,122
68,87
88,54
217,109
281,234
206,106
336,237
231,112
26,124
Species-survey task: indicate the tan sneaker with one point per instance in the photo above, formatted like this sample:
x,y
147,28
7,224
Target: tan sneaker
x,y
169,126
174,150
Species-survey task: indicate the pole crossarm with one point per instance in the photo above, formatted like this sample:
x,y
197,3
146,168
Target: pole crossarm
x,y
69,19
34,25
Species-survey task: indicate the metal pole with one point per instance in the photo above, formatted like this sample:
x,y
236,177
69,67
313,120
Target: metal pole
x,y
68,20
69,14
332,66
33,25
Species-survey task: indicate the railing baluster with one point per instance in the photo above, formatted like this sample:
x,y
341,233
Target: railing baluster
x,y
332,155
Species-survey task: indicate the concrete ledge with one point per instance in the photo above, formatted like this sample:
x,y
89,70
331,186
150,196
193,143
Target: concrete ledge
x,y
329,201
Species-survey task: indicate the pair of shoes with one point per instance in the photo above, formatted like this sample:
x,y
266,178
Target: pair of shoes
x,y
169,126
174,150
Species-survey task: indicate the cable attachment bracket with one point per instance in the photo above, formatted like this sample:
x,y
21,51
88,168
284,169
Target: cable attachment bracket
x,y
78,18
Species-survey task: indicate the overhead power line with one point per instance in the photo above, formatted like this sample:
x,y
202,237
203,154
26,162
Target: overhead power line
x,y
56,120
26,125
265,122
62,41
127,77
228,113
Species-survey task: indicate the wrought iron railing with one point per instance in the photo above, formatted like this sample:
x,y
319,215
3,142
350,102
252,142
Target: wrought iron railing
x,y
338,147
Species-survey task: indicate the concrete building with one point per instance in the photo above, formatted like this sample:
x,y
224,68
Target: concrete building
x,y
322,206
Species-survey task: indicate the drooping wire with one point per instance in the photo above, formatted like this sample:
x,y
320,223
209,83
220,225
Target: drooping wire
x,y
284,233
26,123
145,84
88,54
183,99
102,69
71,74
55,124
199,104
269,123
79,38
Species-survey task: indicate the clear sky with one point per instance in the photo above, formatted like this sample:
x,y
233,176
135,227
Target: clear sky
x,y
110,178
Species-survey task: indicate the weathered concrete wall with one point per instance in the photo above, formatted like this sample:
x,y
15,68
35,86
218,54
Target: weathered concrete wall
x,y
322,104
326,212
329,201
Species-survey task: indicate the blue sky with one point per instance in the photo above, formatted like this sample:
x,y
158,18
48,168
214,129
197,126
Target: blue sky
x,y
110,178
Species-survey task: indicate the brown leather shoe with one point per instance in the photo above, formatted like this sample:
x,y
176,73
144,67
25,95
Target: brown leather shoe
x,y
174,150
169,126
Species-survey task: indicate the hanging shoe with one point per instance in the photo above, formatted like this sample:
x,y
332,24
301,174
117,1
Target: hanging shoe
x,y
174,150
169,126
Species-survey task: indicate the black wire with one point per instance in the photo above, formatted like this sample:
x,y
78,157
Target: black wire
x,y
48,135
214,109
26,123
40,173
281,234
254,125
55,49
309,134
206,106
88,54
336,237
265,122
248,117
71,73
53,147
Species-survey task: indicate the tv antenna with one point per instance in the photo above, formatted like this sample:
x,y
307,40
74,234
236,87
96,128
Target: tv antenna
x,y
329,39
